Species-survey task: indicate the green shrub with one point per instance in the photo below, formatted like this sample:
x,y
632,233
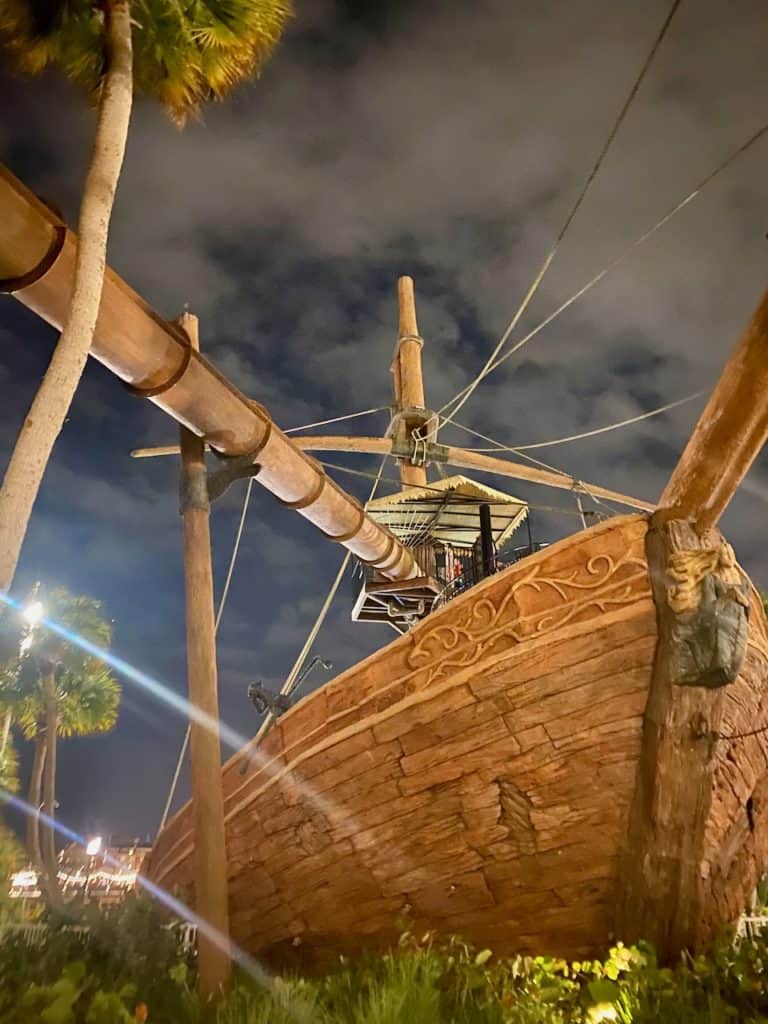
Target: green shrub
x,y
128,958
129,969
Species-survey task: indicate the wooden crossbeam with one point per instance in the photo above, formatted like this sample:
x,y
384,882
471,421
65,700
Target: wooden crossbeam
x,y
456,457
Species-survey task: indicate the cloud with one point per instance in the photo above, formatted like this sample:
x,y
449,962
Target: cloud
x,y
446,140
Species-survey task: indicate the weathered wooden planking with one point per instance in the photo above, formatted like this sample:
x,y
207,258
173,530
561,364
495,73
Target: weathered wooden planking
x,y
422,825
573,577
413,792
476,773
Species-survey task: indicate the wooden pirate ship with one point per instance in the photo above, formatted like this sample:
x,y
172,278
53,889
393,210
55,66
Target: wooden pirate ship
x,y
565,749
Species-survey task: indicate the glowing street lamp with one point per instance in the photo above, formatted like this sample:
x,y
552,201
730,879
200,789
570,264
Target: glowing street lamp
x,y
93,849
33,613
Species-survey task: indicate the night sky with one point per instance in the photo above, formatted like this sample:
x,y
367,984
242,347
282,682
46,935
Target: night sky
x,y
445,140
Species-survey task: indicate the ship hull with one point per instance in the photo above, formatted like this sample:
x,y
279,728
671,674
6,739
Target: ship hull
x,y
475,777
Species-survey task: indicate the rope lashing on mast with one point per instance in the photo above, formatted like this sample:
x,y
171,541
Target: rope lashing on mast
x,y
219,613
521,448
609,267
462,398
290,681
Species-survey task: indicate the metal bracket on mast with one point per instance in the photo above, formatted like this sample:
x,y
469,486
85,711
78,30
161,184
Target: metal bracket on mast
x,y
236,467
200,488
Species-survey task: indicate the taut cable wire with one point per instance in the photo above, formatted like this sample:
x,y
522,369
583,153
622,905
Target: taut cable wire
x,y
463,397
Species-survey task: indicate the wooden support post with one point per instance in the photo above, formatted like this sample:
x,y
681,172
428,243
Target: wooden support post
x,y
211,898
702,608
702,613
408,379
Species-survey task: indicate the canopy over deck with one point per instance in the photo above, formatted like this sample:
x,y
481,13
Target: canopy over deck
x,y
442,524
447,512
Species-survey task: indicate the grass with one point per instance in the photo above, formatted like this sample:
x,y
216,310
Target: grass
x,y
129,970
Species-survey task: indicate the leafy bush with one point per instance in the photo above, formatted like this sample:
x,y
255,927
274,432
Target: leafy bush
x,y
126,960
129,969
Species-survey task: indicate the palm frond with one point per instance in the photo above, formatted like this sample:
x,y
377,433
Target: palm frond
x,y
89,701
9,767
87,694
186,52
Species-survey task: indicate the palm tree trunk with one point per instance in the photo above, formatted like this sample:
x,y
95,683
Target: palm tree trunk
x,y
34,798
5,732
54,396
47,831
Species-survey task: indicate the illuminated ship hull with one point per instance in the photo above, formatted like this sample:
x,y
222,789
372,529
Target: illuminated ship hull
x,y
478,773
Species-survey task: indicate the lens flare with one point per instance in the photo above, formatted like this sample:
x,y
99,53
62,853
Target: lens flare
x,y
33,613
93,849
274,767
159,690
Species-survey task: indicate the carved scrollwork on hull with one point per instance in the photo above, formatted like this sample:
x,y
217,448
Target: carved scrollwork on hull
x,y
531,604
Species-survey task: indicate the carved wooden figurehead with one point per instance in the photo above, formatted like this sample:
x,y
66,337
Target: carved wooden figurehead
x,y
702,601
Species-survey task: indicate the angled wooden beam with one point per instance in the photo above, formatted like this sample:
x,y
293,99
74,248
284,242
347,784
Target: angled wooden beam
x,y
156,360
730,434
456,457
534,475
476,460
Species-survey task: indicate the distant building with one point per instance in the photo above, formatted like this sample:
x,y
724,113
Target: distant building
x,y
99,874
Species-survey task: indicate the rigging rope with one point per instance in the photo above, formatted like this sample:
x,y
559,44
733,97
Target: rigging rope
x,y
519,449
338,419
464,396
290,680
219,613
499,447
722,166
576,485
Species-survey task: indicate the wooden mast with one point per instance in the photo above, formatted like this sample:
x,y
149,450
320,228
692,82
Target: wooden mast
x,y
702,609
408,382
211,896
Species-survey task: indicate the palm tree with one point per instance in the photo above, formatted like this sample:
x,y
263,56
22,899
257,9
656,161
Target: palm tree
x,y
182,53
11,636
62,692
